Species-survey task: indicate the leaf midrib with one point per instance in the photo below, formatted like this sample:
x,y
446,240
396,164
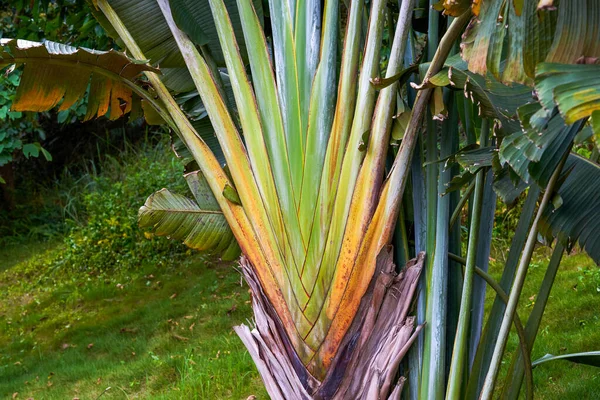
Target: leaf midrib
x,y
187,211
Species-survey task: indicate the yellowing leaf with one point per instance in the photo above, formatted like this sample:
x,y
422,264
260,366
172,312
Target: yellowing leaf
x,y
59,74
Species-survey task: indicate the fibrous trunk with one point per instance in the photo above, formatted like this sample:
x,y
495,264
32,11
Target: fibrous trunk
x,y
367,362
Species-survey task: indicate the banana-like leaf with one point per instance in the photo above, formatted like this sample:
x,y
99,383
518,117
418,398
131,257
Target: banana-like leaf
x,y
192,105
472,160
200,225
492,98
149,29
509,40
589,358
195,18
534,154
578,217
206,131
574,89
485,41
58,74
506,188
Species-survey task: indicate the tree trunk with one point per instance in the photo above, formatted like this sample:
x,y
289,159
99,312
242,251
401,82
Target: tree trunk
x,y
366,364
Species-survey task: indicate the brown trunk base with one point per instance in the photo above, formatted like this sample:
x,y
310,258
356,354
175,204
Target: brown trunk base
x,y
366,364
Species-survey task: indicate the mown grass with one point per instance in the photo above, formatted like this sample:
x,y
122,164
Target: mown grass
x,y
159,333
166,332
571,324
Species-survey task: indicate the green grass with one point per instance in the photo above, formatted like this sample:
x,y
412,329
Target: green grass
x,y
571,324
160,332
12,254
166,332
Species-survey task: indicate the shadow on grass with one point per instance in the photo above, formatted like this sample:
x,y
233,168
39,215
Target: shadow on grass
x,y
160,334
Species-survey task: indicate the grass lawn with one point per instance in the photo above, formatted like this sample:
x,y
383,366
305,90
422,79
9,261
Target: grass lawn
x,y
571,324
160,333
166,333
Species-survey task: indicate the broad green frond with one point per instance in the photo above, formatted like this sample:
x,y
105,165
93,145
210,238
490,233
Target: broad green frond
x,y
574,89
201,225
577,215
150,31
533,154
492,98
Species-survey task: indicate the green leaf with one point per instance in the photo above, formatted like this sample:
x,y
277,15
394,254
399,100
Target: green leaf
x,y
402,77
200,225
573,37
400,125
437,106
575,89
364,141
534,154
441,78
151,116
505,188
595,123
196,20
231,194
492,98
62,116
31,150
206,131
15,114
578,217
183,14
540,26
46,154
472,160
484,41
149,29
589,358
14,79
458,182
